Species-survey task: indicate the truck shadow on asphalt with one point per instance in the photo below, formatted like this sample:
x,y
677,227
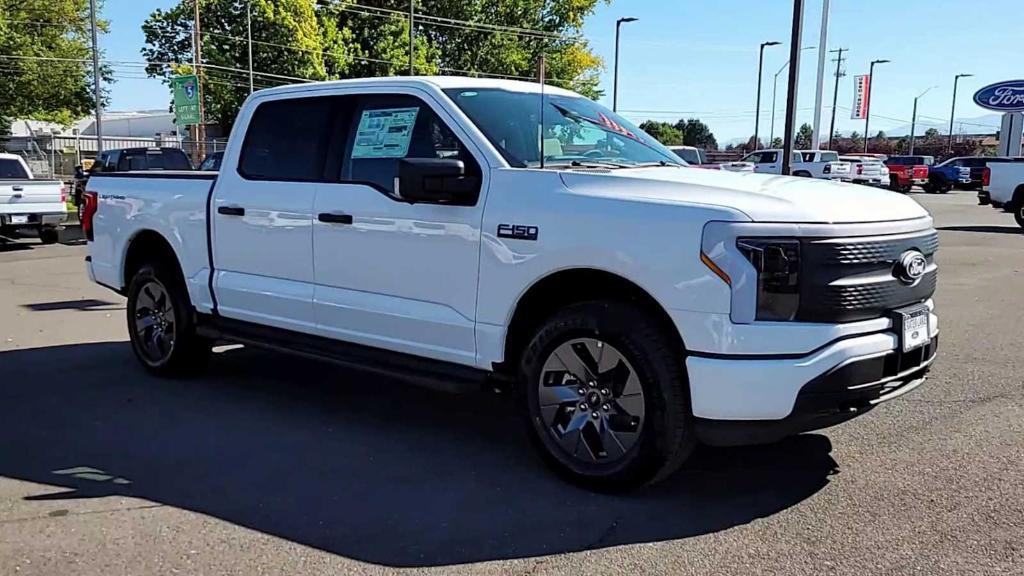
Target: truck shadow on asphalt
x,y
352,464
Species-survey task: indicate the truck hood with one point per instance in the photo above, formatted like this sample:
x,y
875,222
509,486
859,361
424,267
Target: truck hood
x,y
762,197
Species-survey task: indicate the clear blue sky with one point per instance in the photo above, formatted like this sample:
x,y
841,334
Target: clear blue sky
x,y
699,58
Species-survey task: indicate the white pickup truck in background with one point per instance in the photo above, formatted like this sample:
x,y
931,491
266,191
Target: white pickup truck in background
x,y
27,204
806,163
418,227
1002,186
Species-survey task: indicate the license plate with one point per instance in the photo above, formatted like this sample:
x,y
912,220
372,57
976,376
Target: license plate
x,y
19,219
915,331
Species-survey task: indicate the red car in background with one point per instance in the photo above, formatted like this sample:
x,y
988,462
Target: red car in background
x,y
905,172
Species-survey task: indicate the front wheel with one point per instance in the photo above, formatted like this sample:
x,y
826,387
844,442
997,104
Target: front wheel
x,y
607,397
1018,215
48,235
161,324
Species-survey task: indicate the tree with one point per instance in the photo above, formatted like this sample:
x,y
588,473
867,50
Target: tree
x,y
47,76
753,143
932,137
286,44
296,40
856,141
777,142
696,133
662,132
804,137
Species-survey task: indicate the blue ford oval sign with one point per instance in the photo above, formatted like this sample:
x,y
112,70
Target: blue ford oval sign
x,y
1007,96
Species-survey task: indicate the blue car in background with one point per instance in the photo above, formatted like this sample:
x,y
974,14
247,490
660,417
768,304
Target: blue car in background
x,y
943,177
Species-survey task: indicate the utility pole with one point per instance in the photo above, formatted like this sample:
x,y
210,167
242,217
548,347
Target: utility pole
x,y
794,80
412,38
248,29
913,119
199,151
820,81
835,94
96,78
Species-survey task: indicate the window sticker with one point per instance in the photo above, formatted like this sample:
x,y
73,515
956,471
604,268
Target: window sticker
x,y
384,133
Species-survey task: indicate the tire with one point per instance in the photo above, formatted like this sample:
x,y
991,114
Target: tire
x,y
48,235
802,174
1018,215
161,324
646,436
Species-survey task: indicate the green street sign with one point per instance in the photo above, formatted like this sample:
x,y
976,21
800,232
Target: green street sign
x,y
186,100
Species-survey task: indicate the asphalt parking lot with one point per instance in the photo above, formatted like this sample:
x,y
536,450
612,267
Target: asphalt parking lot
x,y
272,464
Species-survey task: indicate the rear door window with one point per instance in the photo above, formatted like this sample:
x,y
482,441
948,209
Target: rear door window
x,y
11,168
287,140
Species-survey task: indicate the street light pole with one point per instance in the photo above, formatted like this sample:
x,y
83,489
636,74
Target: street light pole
x,y
952,111
615,80
835,95
412,38
96,79
775,87
248,31
760,67
913,119
867,113
794,80
819,82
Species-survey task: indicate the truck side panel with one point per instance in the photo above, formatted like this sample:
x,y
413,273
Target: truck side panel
x,y
173,207
1004,178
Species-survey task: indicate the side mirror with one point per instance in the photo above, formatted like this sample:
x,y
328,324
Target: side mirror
x,y
437,180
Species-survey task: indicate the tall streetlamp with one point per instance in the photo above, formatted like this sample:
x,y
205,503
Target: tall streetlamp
x,y
775,87
952,111
248,32
867,113
760,67
97,95
615,81
913,118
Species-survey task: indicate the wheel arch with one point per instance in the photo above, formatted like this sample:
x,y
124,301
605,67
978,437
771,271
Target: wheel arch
x,y
1018,196
568,286
144,247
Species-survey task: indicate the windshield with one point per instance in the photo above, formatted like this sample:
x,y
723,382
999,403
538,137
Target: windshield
x,y
11,168
576,130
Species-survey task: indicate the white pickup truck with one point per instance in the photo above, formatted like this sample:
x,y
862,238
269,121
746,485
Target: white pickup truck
x,y
412,226
806,163
27,203
1002,186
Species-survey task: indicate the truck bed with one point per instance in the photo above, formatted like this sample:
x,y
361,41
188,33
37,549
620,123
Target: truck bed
x,y
28,196
171,203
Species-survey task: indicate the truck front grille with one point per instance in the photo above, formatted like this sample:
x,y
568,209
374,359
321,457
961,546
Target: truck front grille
x,y
848,279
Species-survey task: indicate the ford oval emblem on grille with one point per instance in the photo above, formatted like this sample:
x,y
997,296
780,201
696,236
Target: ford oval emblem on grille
x,y
910,267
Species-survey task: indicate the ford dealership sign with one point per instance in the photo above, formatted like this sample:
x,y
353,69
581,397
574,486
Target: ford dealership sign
x,y
1005,96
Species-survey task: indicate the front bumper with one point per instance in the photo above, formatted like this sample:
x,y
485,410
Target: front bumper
x,y
755,400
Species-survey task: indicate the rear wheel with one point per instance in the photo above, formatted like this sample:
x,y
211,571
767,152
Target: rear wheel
x,y
607,397
161,324
1018,215
48,235
802,174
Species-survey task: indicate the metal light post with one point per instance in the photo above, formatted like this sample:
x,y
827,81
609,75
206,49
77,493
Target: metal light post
x,y
867,113
615,81
952,111
760,67
96,78
412,38
775,87
794,81
913,119
819,83
248,31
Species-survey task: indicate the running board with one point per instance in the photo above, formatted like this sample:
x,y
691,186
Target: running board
x,y
433,374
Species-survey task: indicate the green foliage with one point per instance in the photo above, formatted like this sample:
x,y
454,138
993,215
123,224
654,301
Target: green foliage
x,y
696,133
332,39
31,87
804,139
663,132
286,44
777,142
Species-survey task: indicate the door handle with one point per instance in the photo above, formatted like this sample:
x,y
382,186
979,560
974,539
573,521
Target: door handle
x,y
17,188
334,218
231,210
16,196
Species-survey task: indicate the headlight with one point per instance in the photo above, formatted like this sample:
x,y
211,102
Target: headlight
x,y
777,262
